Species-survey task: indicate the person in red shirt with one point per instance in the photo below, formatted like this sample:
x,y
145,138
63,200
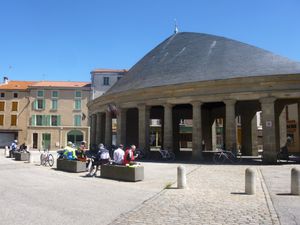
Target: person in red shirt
x,y
129,155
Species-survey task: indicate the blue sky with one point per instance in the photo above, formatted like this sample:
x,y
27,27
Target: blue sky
x,y
66,39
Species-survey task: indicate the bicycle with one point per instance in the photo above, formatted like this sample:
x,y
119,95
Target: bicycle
x,y
167,155
224,155
46,157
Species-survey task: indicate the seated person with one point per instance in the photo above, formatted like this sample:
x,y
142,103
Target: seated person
x,y
81,153
119,155
102,157
130,155
13,147
70,152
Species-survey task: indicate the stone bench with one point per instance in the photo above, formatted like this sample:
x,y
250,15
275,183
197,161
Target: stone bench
x,y
120,172
73,166
22,156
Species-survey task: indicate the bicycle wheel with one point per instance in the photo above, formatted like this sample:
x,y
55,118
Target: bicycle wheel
x,y
218,158
50,160
237,158
172,156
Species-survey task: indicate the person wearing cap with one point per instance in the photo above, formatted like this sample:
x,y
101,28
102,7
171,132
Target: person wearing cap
x,y
70,152
119,155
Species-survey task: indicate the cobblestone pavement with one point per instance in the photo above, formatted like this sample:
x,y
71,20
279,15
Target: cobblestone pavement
x,y
278,181
215,195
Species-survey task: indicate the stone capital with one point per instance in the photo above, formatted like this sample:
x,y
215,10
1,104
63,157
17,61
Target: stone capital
x,y
196,103
142,106
229,101
267,100
168,105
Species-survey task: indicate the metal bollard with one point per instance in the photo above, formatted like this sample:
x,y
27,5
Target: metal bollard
x,y
181,177
295,181
250,184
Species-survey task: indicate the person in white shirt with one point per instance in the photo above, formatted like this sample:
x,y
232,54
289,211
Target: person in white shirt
x,y
119,155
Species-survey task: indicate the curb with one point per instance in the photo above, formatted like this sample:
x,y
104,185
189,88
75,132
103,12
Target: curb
x,y
272,211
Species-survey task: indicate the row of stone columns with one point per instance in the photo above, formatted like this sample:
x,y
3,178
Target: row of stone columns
x,y
268,122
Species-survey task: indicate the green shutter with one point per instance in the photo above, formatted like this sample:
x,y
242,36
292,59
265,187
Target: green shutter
x,y
33,120
48,119
43,120
58,120
44,104
35,104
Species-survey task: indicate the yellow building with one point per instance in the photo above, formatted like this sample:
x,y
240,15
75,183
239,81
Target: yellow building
x,y
44,114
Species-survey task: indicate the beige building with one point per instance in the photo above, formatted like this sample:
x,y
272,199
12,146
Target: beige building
x,y
209,81
48,114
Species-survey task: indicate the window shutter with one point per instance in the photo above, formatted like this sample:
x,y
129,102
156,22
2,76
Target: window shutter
x,y
58,120
44,104
33,121
43,120
48,118
35,104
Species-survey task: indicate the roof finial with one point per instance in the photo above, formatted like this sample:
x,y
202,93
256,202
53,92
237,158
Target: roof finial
x,y
176,27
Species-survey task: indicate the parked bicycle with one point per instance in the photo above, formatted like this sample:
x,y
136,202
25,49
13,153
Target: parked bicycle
x,y
46,158
167,155
224,155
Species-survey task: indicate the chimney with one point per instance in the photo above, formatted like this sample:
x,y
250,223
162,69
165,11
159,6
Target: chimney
x,y
5,80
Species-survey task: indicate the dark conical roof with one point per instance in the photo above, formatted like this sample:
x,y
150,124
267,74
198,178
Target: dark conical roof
x,y
191,57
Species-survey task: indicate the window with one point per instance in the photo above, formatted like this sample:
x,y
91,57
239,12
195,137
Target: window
x,y
77,120
78,94
39,120
54,94
78,104
105,81
2,104
1,120
54,104
14,106
54,120
39,104
40,93
2,95
15,95
13,120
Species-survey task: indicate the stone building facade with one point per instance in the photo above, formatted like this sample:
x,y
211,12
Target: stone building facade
x,y
203,78
49,113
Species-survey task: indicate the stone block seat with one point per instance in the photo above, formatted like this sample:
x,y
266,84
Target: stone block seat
x,y
21,156
73,166
120,172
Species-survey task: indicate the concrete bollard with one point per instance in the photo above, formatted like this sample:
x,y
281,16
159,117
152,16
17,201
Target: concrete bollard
x,y
181,177
6,150
295,181
250,184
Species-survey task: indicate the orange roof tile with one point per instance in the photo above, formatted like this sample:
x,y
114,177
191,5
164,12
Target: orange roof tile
x,y
60,84
16,85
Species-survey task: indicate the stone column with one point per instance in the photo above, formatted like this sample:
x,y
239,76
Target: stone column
x,y
144,124
108,129
98,129
230,126
93,129
248,121
270,145
197,131
168,127
121,126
